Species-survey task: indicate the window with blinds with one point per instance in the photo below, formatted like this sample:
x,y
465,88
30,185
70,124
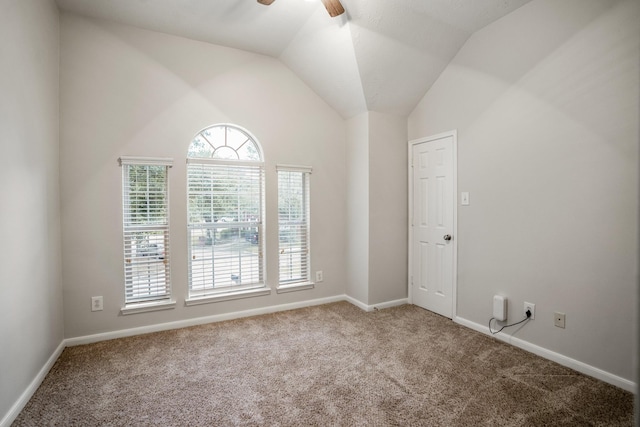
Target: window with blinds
x,y
225,180
146,229
293,224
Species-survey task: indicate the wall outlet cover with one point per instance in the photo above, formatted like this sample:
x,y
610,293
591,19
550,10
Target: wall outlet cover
x,y
531,307
96,304
559,319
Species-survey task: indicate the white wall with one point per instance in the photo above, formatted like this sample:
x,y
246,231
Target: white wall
x,y
545,101
358,208
126,91
31,326
387,207
377,208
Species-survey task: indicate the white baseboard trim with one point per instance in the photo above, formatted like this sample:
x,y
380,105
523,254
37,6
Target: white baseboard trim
x,y
88,339
389,304
358,303
31,389
576,365
382,305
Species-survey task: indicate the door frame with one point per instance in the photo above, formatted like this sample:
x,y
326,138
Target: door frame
x,y
454,291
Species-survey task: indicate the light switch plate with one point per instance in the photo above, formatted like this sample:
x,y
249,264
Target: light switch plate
x,y
464,198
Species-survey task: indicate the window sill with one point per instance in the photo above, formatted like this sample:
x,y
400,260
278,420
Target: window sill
x,y
227,296
146,307
295,287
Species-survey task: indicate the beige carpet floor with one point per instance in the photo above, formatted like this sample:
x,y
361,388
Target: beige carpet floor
x,y
331,365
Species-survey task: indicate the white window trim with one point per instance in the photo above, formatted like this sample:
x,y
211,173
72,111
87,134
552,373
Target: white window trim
x,y
146,307
208,161
294,168
252,289
282,289
145,161
298,286
228,296
160,304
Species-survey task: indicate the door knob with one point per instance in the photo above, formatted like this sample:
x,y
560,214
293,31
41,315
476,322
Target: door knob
x,y
447,237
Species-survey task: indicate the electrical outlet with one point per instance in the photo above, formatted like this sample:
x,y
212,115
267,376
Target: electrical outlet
x,y
96,304
319,276
559,319
532,308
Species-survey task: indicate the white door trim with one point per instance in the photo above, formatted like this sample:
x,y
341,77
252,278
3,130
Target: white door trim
x,y
454,135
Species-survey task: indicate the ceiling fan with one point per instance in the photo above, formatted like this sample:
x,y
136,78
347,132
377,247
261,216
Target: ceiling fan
x,y
334,7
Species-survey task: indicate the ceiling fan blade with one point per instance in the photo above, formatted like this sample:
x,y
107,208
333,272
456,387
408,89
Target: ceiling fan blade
x,y
266,2
334,7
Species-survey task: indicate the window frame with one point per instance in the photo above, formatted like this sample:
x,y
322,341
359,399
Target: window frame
x,y
164,299
304,280
254,171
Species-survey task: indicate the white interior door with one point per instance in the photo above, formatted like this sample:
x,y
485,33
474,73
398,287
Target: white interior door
x,y
433,225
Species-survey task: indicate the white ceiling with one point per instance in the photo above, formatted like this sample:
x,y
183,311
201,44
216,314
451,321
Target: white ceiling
x,y
381,55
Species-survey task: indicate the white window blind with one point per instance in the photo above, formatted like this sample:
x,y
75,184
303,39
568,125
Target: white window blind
x,y
146,229
225,227
293,224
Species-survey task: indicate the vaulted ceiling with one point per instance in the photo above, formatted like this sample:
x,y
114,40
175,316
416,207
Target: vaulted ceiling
x,y
381,55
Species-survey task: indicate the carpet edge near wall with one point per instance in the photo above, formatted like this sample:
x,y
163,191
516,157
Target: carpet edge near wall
x,y
28,393
559,358
574,364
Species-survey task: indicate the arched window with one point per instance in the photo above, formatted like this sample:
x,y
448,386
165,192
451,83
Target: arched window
x,y
225,180
225,142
